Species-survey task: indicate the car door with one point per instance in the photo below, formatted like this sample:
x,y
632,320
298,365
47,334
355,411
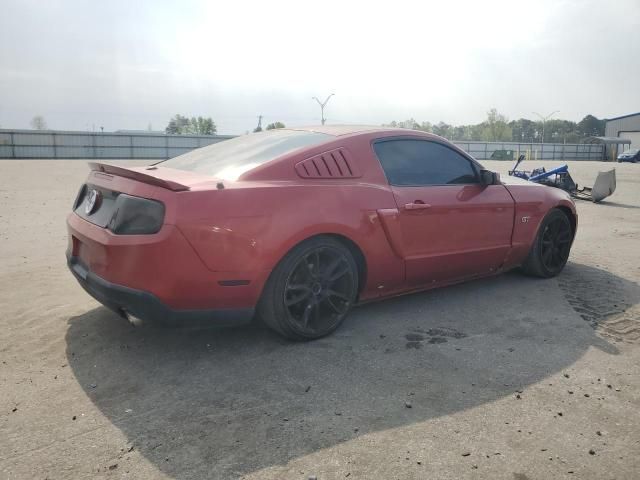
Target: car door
x,y
452,227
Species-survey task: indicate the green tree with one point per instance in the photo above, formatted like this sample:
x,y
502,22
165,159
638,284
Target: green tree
x,y
462,133
523,130
181,125
425,127
561,131
202,126
591,126
411,124
477,131
495,128
178,125
274,125
38,123
443,130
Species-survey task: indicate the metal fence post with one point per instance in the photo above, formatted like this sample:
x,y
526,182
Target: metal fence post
x,y
166,147
13,145
55,144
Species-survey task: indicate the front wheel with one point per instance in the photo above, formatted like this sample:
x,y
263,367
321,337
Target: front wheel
x,y
311,290
550,250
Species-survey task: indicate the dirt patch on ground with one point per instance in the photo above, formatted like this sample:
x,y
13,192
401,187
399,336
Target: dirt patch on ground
x,y
609,303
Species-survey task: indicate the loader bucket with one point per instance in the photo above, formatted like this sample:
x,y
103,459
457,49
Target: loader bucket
x,y
605,185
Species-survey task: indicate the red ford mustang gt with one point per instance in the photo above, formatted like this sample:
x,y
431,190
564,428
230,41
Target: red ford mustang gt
x,y
295,226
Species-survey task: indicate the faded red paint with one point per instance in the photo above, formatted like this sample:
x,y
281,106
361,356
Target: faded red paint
x,y
412,238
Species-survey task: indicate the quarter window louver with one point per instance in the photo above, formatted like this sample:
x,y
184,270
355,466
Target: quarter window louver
x,y
336,163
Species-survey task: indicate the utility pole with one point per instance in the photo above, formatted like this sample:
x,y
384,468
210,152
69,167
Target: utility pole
x,y
259,127
544,119
322,105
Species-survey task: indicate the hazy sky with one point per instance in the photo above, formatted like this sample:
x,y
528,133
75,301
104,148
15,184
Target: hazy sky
x,y
127,64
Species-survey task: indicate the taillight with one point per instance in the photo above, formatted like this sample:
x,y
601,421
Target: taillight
x,y
136,216
80,196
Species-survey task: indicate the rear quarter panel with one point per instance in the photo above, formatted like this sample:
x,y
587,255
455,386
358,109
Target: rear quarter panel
x,y
250,225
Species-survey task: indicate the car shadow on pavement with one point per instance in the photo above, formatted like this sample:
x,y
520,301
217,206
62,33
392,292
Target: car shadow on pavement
x,y
221,403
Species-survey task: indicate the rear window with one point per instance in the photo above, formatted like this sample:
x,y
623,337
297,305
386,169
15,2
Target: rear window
x,y
229,159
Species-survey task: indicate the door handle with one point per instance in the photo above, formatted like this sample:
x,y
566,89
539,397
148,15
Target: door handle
x,y
417,205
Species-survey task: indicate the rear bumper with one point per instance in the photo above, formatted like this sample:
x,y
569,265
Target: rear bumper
x,y
147,306
164,265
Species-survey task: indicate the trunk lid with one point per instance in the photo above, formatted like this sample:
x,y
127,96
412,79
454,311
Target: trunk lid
x,y
167,178
98,200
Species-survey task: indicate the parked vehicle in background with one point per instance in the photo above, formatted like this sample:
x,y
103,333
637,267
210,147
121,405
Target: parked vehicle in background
x,y
298,225
502,155
631,156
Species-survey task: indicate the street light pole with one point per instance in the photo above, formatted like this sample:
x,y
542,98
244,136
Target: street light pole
x,y
322,105
544,119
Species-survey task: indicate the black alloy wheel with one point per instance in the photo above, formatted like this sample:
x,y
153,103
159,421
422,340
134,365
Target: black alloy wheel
x,y
311,291
556,243
551,248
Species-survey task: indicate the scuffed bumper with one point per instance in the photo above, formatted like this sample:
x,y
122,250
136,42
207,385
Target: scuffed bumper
x,y
147,307
163,264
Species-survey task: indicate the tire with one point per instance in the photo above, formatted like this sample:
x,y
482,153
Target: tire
x,y
551,247
311,291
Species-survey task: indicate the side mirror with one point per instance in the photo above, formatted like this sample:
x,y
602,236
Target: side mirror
x,y
488,177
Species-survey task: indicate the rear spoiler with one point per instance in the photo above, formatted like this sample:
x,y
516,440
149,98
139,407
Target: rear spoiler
x,y
139,176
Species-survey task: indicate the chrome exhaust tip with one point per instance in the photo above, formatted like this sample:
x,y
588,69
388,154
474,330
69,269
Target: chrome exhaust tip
x,y
133,320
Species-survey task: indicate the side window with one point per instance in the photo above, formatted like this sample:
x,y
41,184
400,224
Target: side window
x,y
420,162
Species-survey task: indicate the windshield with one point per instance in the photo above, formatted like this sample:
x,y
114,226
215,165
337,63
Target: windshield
x,y
630,152
229,159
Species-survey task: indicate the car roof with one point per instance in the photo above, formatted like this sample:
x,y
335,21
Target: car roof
x,y
341,130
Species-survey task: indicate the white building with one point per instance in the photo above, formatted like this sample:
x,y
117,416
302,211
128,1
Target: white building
x,y
627,126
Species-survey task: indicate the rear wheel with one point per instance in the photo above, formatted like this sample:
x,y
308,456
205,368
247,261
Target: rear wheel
x,y
550,250
311,290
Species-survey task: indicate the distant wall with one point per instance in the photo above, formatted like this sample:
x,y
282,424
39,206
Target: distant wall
x,y
89,145
532,151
